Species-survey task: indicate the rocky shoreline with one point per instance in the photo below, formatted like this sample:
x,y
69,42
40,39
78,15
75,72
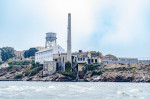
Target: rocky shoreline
x,y
137,72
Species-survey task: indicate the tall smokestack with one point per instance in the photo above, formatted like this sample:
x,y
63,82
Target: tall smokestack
x,y
69,38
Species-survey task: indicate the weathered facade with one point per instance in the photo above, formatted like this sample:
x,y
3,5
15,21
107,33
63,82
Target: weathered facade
x,y
19,54
47,54
49,67
77,59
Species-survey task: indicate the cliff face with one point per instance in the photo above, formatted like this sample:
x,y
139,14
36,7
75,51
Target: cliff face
x,y
134,72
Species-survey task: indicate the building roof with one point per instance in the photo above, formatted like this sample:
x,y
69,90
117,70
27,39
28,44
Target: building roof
x,y
48,49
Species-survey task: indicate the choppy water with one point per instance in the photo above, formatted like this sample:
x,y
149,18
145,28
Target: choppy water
x,y
73,90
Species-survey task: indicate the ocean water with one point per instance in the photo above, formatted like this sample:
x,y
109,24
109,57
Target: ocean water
x,y
74,90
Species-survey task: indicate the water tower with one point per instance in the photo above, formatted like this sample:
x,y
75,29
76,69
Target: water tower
x,y
50,39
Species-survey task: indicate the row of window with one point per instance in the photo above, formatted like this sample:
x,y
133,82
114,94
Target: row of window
x,y
89,60
81,59
43,57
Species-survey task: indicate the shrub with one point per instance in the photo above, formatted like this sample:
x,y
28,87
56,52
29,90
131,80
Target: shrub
x,y
70,74
37,64
123,69
19,76
96,72
94,53
67,66
27,71
1,63
9,68
91,67
1,74
35,71
129,64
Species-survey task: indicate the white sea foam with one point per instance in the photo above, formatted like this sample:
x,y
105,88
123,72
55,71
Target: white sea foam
x,y
134,90
51,87
119,92
141,98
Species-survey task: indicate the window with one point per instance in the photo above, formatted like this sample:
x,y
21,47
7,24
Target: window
x,y
89,61
83,59
79,59
95,60
92,60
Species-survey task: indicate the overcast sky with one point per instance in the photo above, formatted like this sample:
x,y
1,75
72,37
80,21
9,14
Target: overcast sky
x,y
119,27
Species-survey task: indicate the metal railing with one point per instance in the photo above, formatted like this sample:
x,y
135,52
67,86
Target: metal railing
x,y
133,60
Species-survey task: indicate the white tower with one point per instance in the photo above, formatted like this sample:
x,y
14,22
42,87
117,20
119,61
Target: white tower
x,y
50,40
69,39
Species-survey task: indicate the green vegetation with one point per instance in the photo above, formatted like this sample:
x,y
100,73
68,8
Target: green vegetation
x,y
91,67
68,71
18,76
104,69
96,72
67,66
122,63
94,53
70,74
9,68
19,62
1,63
30,52
117,69
35,70
29,68
1,74
7,53
109,55
98,69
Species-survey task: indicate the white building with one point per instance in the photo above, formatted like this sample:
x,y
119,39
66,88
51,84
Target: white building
x,y
47,54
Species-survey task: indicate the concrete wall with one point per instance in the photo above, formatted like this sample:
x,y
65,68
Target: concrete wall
x,y
49,68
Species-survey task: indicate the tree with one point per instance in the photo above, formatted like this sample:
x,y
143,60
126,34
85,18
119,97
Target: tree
x,y
30,52
7,53
67,66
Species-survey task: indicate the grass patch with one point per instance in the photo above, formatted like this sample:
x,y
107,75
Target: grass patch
x,y
19,62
